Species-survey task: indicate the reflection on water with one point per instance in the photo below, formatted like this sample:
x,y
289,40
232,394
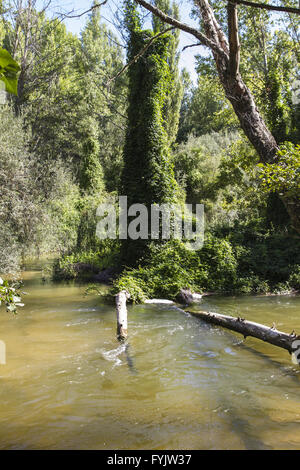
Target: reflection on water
x,y
178,384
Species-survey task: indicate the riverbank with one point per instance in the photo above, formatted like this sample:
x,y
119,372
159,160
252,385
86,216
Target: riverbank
x,y
269,267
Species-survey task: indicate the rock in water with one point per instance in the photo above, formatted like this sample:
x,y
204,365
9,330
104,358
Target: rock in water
x,y
186,297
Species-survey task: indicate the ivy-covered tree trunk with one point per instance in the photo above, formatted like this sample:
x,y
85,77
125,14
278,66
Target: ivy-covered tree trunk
x,y
148,174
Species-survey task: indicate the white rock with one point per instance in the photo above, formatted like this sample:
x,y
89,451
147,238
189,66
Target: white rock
x,y
197,297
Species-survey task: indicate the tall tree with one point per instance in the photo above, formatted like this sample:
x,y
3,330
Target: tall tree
x,y
148,174
103,99
41,46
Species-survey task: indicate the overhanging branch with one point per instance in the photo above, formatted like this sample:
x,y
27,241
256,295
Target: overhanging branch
x,y
94,7
264,6
205,41
191,45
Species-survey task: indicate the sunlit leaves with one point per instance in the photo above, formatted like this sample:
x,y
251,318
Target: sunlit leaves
x,y
9,296
9,72
284,175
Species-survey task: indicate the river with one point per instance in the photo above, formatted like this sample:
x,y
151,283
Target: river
x,y
178,383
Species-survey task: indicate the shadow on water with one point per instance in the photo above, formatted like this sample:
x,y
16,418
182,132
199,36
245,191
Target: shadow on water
x,y
230,405
290,372
129,359
241,427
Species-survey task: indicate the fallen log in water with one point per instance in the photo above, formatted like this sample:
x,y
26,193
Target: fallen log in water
x,y
290,342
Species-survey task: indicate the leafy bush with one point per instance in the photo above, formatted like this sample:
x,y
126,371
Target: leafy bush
x,y
294,278
172,267
260,263
270,256
85,264
61,216
10,296
284,175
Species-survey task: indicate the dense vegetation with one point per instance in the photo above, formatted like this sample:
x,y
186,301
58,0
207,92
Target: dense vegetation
x,y
80,133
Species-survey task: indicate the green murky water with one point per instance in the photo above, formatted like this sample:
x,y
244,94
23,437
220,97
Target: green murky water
x,y
179,384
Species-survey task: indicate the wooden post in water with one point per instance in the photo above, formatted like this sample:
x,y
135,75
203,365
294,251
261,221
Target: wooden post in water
x,y
121,299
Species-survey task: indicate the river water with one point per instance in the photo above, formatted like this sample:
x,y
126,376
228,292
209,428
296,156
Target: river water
x,y
178,383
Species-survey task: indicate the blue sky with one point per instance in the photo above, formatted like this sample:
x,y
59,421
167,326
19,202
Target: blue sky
x,y
76,24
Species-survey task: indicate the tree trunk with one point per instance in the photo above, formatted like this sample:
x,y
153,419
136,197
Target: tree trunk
x,y
227,58
290,342
250,119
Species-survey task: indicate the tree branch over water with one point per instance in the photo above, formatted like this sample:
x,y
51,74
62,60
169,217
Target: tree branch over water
x,y
205,41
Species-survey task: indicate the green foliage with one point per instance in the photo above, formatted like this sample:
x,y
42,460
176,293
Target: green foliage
x,y
10,296
219,170
65,151
243,255
9,69
283,176
101,108
243,263
90,172
208,109
294,278
269,63
268,258
83,265
197,163
171,111
40,205
172,267
59,231
20,209
64,97
58,157
86,231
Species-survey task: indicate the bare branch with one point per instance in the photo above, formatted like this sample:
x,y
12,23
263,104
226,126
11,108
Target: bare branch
x,y
191,45
205,41
98,5
267,7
